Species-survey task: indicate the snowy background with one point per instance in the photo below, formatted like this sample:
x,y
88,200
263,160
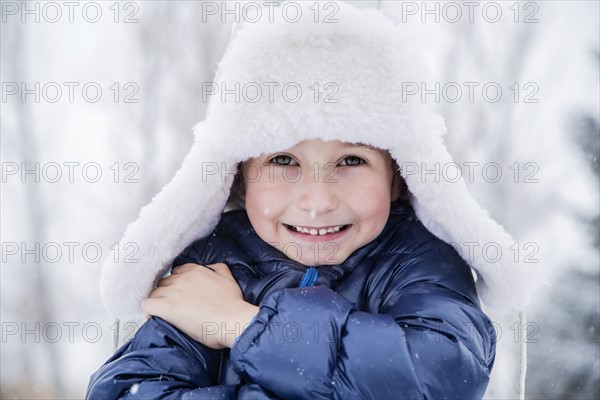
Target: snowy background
x,y
119,89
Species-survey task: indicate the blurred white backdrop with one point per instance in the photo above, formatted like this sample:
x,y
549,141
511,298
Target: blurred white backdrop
x,y
98,102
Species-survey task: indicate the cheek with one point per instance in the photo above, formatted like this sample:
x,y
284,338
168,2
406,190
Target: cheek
x,y
264,203
371,201
375,206
255,200
369,189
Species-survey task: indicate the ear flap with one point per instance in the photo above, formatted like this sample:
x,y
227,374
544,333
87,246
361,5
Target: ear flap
x,y
186,209
448,211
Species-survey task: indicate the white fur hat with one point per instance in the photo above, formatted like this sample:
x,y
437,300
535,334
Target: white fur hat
x,y
335,79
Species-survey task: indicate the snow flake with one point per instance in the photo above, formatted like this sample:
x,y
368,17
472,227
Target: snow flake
x,y
134,388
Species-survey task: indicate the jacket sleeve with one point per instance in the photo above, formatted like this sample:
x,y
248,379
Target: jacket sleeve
x,y
428,339
160,362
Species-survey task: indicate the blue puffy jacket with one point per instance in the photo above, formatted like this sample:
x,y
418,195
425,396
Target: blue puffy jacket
x,y
399,319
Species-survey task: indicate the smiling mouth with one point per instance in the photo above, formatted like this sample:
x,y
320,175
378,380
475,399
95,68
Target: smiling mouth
x,y
317,231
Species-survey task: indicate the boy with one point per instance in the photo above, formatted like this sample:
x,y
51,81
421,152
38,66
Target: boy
x,y
345,288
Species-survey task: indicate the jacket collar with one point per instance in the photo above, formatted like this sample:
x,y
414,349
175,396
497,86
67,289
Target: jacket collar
x,y
272,266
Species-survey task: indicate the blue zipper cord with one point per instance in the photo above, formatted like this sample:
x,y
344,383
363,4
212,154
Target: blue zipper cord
x,y
313,281
309,278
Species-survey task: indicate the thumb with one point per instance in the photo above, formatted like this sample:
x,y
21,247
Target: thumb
x,y
222,269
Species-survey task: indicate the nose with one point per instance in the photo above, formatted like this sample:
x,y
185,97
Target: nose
x,y
316,197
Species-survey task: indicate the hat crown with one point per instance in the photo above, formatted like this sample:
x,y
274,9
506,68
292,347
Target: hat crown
x,y
339,78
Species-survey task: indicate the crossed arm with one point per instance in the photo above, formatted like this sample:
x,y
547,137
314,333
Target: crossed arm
x,y
425,341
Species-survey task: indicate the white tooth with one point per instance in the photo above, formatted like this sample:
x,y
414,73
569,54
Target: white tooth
x,y
313,232
322,231
330,230
305,230
337,228
298,229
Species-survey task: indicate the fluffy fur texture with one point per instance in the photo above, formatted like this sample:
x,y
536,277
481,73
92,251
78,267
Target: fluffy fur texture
x,y
365,59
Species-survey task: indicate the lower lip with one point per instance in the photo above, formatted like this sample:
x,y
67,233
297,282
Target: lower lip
x,y
319,238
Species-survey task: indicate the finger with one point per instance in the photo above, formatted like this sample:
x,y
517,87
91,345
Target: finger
x,y
166,281
183,268
189,267
153,306
222,269
159,292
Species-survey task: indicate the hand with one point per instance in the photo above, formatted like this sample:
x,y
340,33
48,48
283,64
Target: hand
x,y
206,304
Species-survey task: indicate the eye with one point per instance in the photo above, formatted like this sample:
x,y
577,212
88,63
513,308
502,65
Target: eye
x,y
352,161
283,160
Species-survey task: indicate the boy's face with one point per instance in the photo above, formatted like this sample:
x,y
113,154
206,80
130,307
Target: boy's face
x,y
318,202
